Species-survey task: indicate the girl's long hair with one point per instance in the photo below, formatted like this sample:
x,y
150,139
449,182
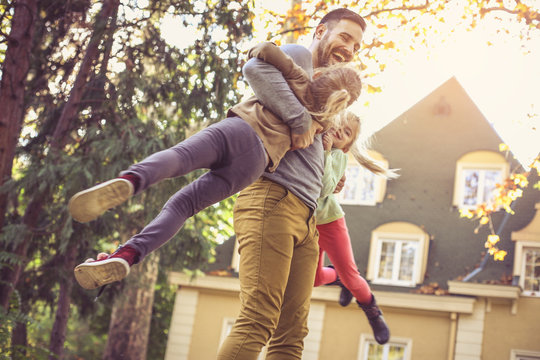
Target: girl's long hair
x,y
333,89
359,149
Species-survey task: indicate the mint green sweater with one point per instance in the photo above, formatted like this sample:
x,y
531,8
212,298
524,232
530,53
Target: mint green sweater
x,y
328,209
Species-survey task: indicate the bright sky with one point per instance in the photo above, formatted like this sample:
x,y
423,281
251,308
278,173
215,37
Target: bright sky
x,y
501,79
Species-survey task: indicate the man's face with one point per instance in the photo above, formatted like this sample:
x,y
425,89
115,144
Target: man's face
x,y
338,44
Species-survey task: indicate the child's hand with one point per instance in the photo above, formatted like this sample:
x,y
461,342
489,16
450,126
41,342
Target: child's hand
x,y
327,142
302,141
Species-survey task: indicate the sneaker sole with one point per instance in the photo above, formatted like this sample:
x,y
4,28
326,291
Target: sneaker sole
x,y
92,275
87,205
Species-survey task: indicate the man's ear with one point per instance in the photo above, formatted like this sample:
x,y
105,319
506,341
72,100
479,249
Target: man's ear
x,y
320,30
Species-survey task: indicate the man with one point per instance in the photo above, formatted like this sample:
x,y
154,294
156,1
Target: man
x,y
273,218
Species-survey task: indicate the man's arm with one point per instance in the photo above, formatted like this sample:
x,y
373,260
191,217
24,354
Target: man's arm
x,y
272,90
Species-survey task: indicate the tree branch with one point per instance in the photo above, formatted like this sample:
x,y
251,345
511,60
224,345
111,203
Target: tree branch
x,y
400,8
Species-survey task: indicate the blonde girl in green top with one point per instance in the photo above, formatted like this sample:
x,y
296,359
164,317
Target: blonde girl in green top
x,y
334,237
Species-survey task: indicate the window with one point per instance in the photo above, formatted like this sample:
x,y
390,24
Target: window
x,y
477,175
478,186
398,256
396,261
530,275
395,349
527,256
524,355
362,186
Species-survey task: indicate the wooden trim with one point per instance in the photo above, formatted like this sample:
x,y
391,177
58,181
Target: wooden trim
x,y
484,290
399,300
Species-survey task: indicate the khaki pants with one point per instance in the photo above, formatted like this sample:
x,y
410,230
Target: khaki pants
x,y
278,250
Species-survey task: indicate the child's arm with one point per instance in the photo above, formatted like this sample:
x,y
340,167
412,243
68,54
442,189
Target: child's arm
x,y
272,54
335,163
279,98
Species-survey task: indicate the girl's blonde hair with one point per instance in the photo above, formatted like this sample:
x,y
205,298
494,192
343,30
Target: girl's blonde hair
x,y
332,90
359,148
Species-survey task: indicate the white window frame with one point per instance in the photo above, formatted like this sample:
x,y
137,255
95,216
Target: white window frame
x,y
521,249
352,181
460,180
235,261
375,257
366,339
524,355
379,183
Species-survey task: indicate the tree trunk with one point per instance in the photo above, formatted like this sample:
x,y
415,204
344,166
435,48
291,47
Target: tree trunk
x,y
19,340
70,110
14,71
132,311
58,334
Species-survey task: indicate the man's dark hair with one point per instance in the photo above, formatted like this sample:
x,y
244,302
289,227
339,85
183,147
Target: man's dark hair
x,y
336,15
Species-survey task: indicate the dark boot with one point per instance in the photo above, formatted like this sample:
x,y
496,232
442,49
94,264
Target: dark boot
x,y
376,320
345,296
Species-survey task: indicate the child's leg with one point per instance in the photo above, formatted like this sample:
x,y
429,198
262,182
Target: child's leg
x,y
208,149
334,239
323,275
240,159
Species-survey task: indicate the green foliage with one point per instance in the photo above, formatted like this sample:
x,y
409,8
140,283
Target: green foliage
x,y
142,96
8,321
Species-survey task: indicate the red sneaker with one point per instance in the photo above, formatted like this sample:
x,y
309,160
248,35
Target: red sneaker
x,y
95,273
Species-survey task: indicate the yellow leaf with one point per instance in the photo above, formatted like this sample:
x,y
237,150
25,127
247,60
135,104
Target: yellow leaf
x,y
493,239
484,220
499,255
503,147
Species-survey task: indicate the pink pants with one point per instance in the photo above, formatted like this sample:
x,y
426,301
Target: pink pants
x,y
335,241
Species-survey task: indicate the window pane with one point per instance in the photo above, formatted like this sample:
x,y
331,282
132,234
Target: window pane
x,y
406,268
390,351
470,188
397,352
532,270
492,177
367,186
351,185
386,260
375,352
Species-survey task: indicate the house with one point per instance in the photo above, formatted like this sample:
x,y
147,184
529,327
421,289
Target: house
x,y
442,297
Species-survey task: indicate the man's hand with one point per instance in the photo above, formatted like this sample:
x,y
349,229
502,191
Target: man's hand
x,y
340,184
302,141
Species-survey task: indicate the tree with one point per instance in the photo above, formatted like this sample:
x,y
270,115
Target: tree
x,y
102,94
419,19
15,66
396,27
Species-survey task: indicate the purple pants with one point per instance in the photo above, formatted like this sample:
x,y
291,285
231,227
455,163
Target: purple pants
x,y
232,151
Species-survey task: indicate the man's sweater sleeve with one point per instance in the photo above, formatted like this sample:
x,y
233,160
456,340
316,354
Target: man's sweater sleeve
x,y
272,90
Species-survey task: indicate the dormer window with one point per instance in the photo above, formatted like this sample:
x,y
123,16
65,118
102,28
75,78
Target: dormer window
x,y
398,254
477,174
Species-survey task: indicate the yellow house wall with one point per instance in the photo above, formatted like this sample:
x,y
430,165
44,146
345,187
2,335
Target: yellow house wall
x,y
504,331
429,332
212,308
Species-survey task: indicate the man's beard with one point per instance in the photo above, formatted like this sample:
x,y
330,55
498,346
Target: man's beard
x,y
323,52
